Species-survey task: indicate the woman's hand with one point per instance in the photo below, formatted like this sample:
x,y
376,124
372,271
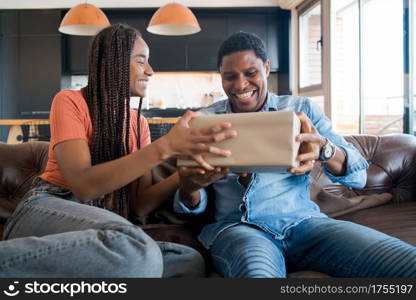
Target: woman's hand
x,y
310,147
182,140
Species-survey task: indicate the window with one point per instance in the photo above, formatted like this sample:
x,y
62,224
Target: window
x,y
310,46
382,66
357,72
345,67
310,50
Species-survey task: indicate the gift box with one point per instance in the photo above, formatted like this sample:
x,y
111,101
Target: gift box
x,y
265,141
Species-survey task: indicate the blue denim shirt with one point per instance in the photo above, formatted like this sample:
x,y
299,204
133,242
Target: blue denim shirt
x,y
273,202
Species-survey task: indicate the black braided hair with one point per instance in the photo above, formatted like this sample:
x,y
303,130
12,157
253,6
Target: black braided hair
x,y
108,98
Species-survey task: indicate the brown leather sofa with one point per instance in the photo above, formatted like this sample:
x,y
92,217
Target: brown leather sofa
x,y
387,203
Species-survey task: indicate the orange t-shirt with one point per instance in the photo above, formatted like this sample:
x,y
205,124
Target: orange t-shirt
x,y
70,119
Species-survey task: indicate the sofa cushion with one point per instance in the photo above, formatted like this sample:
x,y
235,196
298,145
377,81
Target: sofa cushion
x,y
335,206
395,219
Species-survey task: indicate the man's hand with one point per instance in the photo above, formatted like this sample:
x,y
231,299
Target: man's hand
x,y
310,147
191,180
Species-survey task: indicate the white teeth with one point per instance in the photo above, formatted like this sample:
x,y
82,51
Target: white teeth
x,y
245,95
142,81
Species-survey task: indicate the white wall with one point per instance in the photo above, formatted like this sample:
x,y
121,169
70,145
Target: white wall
x,y
180,89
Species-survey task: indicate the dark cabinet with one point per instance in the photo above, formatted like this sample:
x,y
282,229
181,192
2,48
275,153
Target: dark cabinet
x,y
203,46
275,37
39,61
202,55
77,59
39,22
167,55
254,23
197,52
264,26
30,61
9,43
39,72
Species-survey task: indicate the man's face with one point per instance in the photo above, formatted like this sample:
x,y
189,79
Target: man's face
x,y
244,80
140,70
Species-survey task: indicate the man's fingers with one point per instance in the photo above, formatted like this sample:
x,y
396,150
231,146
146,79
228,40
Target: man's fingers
x,y
304,122
191,171
303,168
305,157
308,137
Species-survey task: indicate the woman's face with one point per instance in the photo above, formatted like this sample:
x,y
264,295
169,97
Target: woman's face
x,y
140,69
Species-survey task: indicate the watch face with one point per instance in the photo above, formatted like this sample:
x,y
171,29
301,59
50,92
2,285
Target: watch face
x,y
327,152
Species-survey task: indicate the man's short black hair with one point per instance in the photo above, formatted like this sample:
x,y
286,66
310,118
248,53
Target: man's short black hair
x,y
242,41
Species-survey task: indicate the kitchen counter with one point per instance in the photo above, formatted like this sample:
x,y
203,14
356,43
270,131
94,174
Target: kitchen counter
x,y
15,135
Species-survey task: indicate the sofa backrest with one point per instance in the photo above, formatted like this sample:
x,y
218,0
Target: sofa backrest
x,y
392,169
19,166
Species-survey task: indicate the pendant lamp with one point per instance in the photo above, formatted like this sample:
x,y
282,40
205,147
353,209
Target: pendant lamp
x,y
173,19
83,19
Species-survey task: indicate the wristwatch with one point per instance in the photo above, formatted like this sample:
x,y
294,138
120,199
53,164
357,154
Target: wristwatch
x,y
327,151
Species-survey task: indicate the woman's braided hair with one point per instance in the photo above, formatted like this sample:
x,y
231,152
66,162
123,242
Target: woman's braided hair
x,y
108,98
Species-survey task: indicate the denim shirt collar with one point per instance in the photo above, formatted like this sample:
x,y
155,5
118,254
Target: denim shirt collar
x,y
269,105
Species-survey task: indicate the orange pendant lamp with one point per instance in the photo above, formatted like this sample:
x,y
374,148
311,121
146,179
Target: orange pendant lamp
x,y
173,19
83,19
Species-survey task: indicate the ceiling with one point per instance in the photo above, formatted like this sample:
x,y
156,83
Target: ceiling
x,y
47,4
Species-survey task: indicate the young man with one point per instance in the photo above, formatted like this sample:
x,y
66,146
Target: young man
x,y
267,222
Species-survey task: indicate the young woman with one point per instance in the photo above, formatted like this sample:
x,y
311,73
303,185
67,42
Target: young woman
x,y
74,221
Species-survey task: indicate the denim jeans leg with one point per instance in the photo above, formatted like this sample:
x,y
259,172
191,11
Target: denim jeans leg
x,y
243,251
52,237
346,249
181,261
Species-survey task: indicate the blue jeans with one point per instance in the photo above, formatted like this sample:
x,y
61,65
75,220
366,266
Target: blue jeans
x,y
337,248
53,235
